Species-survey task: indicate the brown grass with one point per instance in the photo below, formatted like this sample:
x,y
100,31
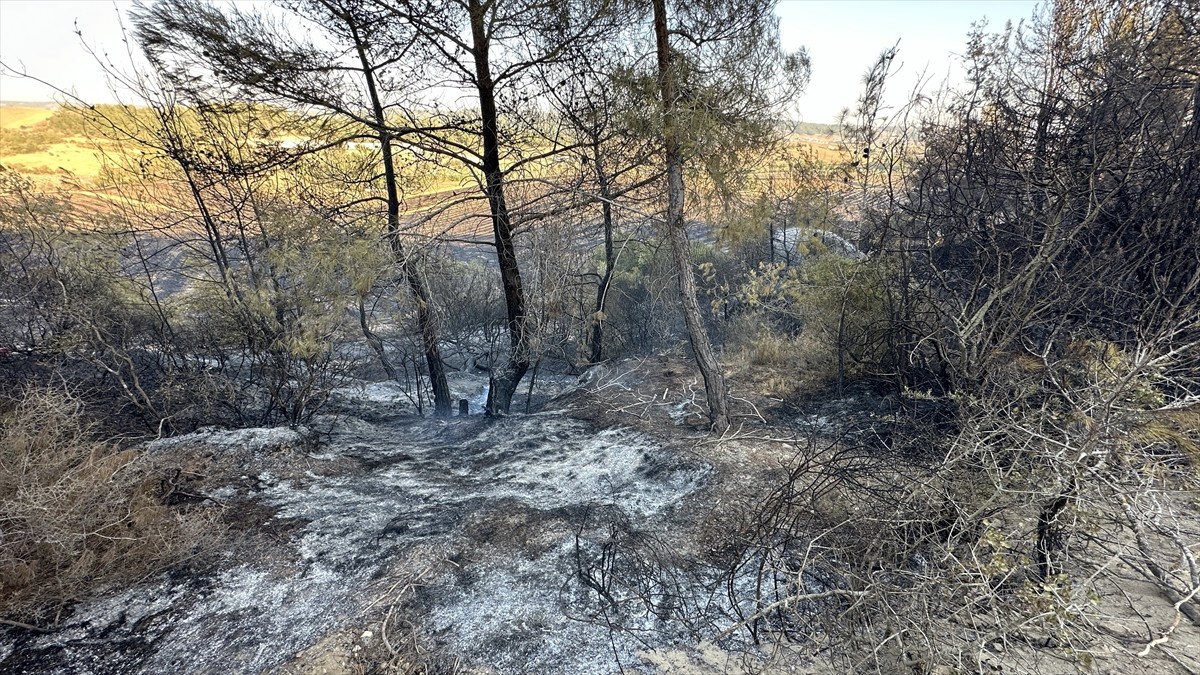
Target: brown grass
x,y
73,157
76,512
823,148
779,365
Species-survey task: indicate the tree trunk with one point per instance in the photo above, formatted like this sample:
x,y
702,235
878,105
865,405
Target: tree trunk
x,y
504,380
426,321
1049,543
710,369
596,341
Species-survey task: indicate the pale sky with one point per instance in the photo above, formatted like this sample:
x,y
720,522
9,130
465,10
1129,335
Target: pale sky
x,y
843,38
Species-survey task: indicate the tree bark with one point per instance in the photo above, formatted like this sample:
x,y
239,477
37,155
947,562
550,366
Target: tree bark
x,y
596,351
504,380
710,368
426,321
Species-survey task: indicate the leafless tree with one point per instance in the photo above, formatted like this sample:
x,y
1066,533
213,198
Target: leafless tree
x,y
1044,445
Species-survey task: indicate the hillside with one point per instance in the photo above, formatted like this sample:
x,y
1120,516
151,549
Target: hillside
x,y
58,148
46,141
383,349
16,115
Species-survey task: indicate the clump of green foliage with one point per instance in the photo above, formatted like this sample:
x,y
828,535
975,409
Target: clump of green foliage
x,y
828,314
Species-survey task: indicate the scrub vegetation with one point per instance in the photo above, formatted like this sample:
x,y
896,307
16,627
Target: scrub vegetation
x,y
922,387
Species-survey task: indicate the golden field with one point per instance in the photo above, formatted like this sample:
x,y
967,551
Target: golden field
x,y
14,117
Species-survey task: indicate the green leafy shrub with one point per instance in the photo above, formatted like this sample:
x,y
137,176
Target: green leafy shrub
x,y
832,311
269,326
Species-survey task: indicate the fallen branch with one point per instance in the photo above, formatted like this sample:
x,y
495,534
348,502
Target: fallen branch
x,y
837,592
23,625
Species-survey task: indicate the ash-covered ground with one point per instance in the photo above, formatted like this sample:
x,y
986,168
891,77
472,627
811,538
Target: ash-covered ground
x,y
535,543
605,533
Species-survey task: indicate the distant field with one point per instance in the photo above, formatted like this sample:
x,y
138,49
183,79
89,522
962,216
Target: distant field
x,y
36,144
74,158
49,146
12,117
823,150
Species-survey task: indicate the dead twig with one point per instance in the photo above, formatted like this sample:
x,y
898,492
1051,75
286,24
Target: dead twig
x,y
786,602
24,626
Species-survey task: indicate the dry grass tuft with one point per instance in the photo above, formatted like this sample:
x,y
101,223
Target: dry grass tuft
x,y
77,513
774,364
